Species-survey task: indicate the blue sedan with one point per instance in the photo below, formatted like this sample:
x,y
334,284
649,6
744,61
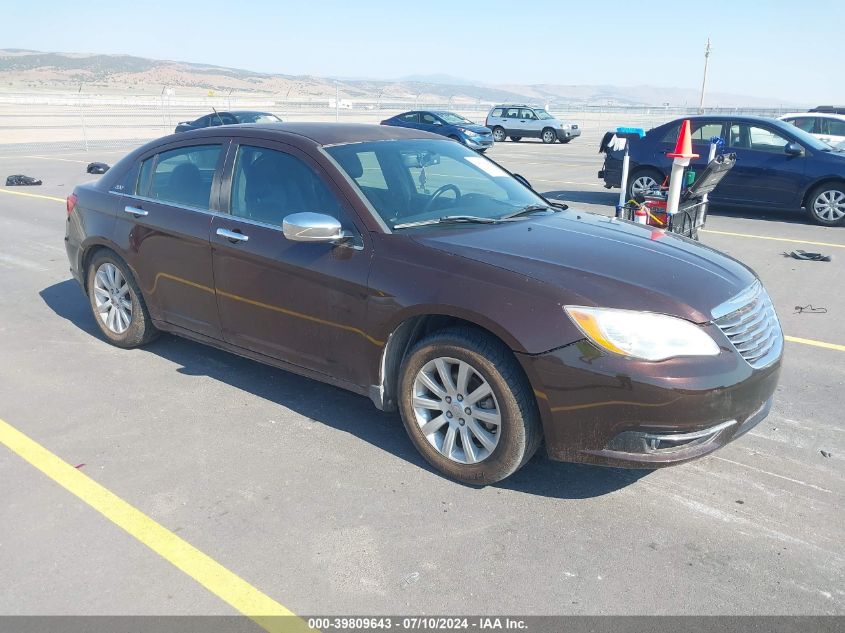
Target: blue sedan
x,y
778,166
449,124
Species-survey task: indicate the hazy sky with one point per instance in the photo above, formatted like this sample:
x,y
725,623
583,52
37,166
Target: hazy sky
x,y
792,50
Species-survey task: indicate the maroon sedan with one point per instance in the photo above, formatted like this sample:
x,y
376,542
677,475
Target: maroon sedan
x,y
408,268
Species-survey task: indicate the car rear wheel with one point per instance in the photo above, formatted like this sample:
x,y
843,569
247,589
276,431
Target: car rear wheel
x,y
498,134
116,302
549,136
826,205
641,181
467,406
516,139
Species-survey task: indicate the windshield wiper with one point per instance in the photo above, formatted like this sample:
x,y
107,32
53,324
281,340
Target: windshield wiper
x,y
528,210
449,219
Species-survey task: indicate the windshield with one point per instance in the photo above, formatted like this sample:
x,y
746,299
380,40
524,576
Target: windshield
x,y
416,180
258,117
451,117
542,114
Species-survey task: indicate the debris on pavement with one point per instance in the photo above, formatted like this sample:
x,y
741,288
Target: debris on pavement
x,y
809,309
19,180
825,453
97,168
810,257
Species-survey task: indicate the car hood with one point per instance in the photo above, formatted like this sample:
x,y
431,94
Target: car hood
x,y
480,129
599,261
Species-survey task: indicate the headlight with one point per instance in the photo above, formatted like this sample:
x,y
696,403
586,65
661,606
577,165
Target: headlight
x,y
642,335
565,126
466,131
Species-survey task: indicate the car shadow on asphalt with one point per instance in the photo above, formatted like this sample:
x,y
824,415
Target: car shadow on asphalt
x,y
336,407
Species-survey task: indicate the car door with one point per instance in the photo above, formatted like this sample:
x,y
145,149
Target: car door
x,y
431,123
411,120
764,174
303,303
530,123
163,231
511,122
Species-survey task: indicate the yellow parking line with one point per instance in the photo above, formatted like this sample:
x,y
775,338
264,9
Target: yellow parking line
x,y
768,237
223,583
32,195
814,343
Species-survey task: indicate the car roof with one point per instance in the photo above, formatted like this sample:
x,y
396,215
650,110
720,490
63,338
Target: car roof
x,y
317,133
248,112
821,115
752,118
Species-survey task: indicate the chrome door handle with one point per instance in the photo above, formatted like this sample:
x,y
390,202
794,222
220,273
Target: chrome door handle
x,y
232,235
136,211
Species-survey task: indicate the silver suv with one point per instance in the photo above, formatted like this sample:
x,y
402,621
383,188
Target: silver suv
x,y
519,121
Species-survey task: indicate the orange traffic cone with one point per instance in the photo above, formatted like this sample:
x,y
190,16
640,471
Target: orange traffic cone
x,y
683,149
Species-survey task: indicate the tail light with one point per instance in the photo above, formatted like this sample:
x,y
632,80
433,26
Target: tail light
x,y
71,203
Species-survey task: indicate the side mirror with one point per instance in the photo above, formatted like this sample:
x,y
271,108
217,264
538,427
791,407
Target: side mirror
x,y
793,149
312,227
523,180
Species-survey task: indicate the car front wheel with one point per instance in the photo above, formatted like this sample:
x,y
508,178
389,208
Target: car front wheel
x,y
498,134
468,407
826,205
549,136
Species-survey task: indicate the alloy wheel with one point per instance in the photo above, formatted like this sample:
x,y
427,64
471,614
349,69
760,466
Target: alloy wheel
x,y
112,298
456,410
549,136
641,185
830,205
498,135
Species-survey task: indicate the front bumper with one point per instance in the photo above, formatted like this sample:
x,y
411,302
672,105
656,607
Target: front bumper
x,y
566,135
600,408
479,142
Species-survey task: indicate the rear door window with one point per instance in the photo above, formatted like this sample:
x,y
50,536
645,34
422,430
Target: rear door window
x,y
411,117
183,176
833,127
512,113
705,131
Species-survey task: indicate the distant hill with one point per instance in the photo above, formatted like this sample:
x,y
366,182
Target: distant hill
x,y
23,70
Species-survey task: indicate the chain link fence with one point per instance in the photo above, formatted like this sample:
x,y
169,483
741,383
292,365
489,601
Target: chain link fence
x,y
32,123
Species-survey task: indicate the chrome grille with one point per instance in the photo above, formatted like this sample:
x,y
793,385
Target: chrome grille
x,y
751,324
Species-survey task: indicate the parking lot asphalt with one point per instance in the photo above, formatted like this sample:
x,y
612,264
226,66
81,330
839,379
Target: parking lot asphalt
x,y
320,502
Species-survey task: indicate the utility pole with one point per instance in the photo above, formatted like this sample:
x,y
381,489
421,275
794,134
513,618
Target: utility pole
x,y
707,50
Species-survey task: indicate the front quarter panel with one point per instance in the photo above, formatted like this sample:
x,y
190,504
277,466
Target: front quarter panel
x,y
409,279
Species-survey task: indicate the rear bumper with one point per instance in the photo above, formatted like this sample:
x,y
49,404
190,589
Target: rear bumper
x,y
603,409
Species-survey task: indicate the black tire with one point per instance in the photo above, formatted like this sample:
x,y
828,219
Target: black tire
x,y
639,177
825,202
499,134
140,329
520,431
548,135
516,139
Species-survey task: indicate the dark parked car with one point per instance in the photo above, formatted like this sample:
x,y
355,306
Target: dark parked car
x,y
228,118
408,268
778,166
449,124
